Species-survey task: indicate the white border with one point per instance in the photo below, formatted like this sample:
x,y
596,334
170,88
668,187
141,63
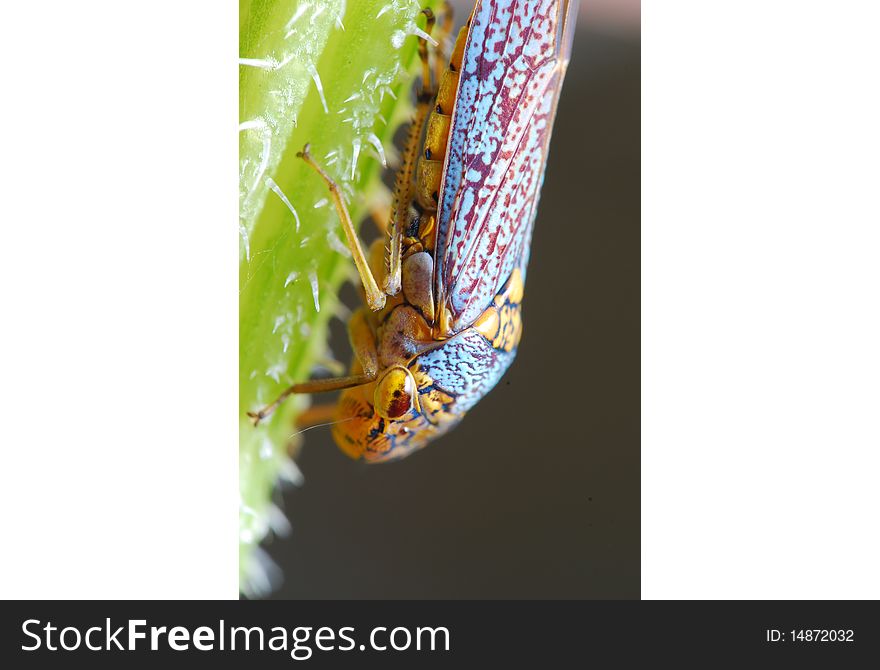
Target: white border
x,y
119,344
761,288
760,317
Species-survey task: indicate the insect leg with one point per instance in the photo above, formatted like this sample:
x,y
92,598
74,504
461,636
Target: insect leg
x,y
442,55
363,342
423,51
315,416
314,386
403,187
375,297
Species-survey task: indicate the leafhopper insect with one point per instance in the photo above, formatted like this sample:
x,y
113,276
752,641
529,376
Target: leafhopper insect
x,y
443,314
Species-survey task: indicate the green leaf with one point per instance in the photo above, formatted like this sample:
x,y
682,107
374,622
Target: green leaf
x,y
337,76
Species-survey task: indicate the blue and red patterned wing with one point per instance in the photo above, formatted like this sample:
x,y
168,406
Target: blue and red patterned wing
x,y
514,61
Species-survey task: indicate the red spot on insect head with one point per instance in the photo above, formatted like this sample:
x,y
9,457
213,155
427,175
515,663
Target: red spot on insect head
x,y
399,405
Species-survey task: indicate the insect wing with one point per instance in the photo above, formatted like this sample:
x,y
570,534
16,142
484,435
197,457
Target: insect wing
x,y
514,62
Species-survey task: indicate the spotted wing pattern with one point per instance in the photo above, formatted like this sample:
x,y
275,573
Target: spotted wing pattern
x,y
514,61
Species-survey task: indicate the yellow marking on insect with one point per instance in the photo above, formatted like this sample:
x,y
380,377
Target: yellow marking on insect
x,y
501,322
515,287
458,51
437,136
435,401
447,92
489,323
428,187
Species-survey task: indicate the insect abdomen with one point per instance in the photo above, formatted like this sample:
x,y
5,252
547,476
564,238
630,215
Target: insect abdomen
x,y
430,169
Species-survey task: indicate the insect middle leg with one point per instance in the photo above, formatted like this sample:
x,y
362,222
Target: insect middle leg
x,y
363,342
445,21
374,296
404,189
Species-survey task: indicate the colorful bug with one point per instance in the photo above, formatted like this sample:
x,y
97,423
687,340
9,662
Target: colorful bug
x,y
445,324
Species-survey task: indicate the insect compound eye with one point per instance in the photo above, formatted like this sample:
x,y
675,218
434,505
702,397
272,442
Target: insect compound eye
x,y
395,393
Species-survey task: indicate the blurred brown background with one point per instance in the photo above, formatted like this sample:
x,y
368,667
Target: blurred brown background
x,y
536,493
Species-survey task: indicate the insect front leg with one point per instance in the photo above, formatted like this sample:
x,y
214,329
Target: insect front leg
x,y
363,342
375,297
